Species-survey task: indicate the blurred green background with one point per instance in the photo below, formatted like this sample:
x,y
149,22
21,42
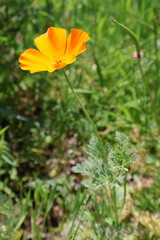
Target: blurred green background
x,y
47,131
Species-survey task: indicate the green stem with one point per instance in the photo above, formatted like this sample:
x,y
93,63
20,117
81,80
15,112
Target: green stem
x,y
87,116
114,197
156,85
145,84
125,190
131,34
145,106
137,45
85,206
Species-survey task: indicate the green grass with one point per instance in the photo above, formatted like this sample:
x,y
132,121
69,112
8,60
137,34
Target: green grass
x,y
44,133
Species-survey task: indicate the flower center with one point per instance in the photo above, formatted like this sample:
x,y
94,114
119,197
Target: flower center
x,y
59,64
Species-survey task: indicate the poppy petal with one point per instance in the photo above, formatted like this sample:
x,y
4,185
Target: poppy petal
x,y
34,61
45,46
58,39
52,43
76,42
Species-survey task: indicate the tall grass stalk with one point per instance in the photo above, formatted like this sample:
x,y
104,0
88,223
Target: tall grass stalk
x,y
135,40
155,30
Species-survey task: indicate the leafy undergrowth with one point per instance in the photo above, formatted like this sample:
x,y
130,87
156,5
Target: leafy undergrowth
x,y
51,206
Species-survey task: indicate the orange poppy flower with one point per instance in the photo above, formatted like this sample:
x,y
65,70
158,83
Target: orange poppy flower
x,y
55,50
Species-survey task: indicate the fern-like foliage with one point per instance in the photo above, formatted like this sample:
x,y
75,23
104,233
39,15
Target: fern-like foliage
x,y
6,205
6,216
122,156
100,173
7,162
12,216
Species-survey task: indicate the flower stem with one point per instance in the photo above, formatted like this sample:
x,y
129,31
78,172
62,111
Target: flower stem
x,y
87,116
124,190
114,198
131,34
144,100
145,84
